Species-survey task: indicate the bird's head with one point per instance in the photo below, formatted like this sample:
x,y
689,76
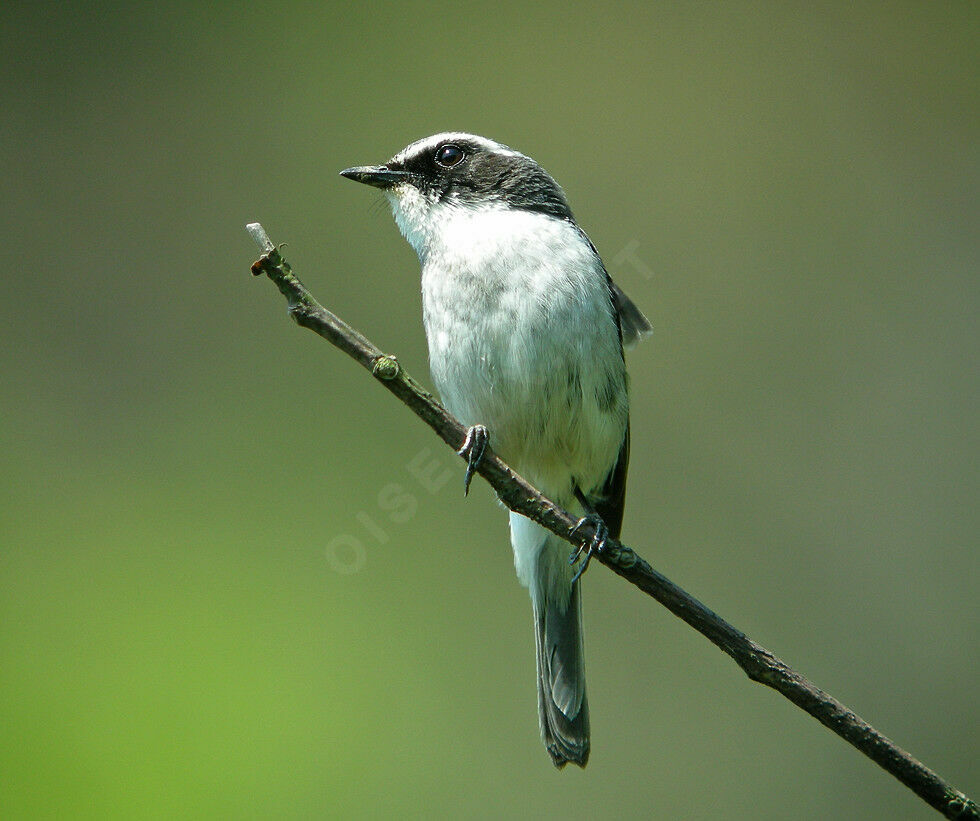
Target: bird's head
x,y
454,170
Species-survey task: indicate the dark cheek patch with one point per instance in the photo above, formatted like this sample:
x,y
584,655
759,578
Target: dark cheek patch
x,y
484,176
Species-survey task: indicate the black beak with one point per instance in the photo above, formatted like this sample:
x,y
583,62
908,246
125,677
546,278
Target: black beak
x,y
380,176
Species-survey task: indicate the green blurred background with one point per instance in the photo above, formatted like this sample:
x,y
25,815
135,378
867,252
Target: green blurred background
x,y
224,590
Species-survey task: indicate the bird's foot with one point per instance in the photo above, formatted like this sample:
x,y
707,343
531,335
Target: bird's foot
x,y
591,547
472,450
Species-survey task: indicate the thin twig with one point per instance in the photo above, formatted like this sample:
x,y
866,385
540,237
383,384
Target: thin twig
x,y
758,663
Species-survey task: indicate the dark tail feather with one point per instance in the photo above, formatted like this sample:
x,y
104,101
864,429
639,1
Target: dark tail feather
x,y
562,706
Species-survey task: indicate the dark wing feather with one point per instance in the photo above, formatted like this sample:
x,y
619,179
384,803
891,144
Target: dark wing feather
x,y
633,326
610,501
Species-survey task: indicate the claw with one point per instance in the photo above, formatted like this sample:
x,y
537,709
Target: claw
x,y
594,545
474,446
571,532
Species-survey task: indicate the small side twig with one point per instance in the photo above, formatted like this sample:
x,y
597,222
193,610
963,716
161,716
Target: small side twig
x,y
758,663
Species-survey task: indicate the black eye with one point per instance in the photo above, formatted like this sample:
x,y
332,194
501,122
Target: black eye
x,y
449,155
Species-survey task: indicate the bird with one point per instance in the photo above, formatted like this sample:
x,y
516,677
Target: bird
x,y
526,332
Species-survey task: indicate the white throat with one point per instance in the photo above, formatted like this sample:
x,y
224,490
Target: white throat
x,y
414,215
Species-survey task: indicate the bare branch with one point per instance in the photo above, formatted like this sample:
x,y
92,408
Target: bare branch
x,y
758,663
257,232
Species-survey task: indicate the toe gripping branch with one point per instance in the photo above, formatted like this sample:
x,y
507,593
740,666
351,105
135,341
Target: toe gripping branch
x,y
589,547
474,446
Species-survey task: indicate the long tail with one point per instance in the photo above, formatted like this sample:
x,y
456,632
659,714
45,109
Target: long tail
x,y
563,708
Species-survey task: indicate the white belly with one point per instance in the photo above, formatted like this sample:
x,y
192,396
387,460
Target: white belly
x,y
522,339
